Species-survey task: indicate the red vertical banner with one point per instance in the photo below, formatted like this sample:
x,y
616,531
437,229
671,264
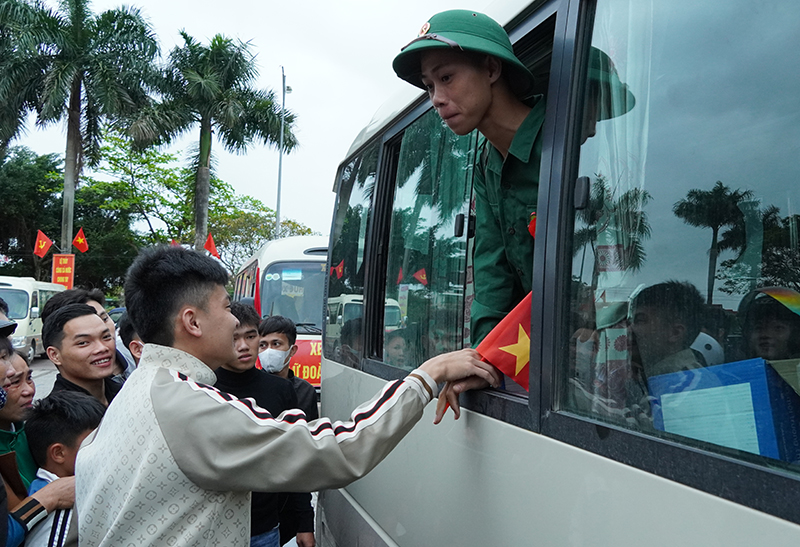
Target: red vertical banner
x,y
64,270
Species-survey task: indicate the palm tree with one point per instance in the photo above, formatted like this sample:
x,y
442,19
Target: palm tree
x,y
71,64
211,86
624,215
713,209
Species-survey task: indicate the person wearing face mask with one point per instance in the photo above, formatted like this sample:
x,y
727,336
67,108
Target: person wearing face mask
x,y
241,378
278,337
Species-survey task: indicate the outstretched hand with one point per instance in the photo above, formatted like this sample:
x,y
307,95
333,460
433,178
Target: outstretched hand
x,y
461,370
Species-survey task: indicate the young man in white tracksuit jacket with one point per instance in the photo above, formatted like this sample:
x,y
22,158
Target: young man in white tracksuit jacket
x,y
174,460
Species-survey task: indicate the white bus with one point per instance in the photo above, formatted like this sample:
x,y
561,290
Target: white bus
x,y
287,277
697,183
25,298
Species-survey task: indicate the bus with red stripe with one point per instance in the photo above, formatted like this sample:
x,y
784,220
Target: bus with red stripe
x,y
287,277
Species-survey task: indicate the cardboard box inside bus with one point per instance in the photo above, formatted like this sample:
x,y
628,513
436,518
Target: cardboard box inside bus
x,y
25,298
745,405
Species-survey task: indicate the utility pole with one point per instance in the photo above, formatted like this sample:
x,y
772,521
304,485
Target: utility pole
x,y
280,158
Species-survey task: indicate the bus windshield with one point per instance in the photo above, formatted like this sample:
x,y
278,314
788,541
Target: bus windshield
x,y
294,290
17,301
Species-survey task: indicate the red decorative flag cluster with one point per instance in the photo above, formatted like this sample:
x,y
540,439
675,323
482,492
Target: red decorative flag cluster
x,y
42,245
421,276
210,246
508,346
338,270
80,241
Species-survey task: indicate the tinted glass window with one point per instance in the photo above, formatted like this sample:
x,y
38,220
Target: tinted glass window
x,y
424,307
685,311
346,274
17,301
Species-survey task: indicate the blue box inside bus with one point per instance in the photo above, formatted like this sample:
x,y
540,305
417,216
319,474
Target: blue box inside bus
x,y
744,405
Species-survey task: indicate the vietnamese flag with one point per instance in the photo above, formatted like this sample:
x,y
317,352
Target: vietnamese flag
x,y
42,245
210,247
80,241
508,346
421,276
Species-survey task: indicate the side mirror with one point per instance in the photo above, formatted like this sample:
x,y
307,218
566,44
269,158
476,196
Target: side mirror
x,y
339,321
34,312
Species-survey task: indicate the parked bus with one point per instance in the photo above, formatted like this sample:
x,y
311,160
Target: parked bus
x,y
695,182
287,277
25,298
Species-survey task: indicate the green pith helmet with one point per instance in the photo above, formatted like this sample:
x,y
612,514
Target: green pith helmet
x,y
467,31
615,97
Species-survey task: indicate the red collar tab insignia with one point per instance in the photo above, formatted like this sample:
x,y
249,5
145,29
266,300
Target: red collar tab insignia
x,y
424,30
532,225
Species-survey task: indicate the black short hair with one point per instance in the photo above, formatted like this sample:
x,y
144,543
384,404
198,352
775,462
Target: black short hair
x,y
96,295
281,325
764,308
351,332
677,302
61,299
60,418
3,307
246,314
125,329
53,328
161,281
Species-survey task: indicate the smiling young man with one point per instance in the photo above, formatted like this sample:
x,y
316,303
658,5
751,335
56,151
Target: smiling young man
x,y
81,345
175,460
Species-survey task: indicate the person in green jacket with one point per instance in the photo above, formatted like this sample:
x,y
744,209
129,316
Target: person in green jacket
x,y
466,63
19,398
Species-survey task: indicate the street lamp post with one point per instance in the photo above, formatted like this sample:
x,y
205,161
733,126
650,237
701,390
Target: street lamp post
x,y
280,157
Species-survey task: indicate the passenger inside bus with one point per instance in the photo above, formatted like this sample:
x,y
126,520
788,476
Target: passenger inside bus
x,y
770,329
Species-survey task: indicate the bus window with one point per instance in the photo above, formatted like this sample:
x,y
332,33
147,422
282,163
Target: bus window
x,y
346,275
684,317
427,257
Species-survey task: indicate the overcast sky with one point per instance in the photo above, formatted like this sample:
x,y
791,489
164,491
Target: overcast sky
x,y
337,57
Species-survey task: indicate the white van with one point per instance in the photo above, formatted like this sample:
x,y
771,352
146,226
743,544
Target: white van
x,y
25,298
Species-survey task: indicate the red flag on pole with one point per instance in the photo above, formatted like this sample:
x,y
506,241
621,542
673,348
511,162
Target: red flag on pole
x,y
400,276
174,243
421,276
210,247
42,245
508,346
80,241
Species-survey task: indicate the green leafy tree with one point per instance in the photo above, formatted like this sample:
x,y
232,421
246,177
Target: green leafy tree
x,y
158,195
70,64
211,86
29,186
715,209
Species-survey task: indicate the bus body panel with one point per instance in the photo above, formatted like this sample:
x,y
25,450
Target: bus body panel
x,y
485,482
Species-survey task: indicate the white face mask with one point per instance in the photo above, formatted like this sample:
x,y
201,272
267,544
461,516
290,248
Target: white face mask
x,y
273,360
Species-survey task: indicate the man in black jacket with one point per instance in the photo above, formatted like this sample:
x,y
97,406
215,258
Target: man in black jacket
x,y
242,379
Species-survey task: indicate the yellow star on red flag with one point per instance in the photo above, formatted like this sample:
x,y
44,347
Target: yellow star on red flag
x,y
521,350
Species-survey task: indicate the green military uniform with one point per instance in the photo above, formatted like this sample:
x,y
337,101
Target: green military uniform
x,y
17,441
506,193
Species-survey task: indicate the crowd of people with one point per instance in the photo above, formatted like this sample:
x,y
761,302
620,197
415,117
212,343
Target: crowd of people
x,y
158,429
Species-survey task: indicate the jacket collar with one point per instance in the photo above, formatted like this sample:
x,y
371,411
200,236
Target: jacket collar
x,y
154,355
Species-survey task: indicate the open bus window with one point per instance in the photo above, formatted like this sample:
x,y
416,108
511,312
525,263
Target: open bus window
x,y
424,307
684,316
294,290
346,275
